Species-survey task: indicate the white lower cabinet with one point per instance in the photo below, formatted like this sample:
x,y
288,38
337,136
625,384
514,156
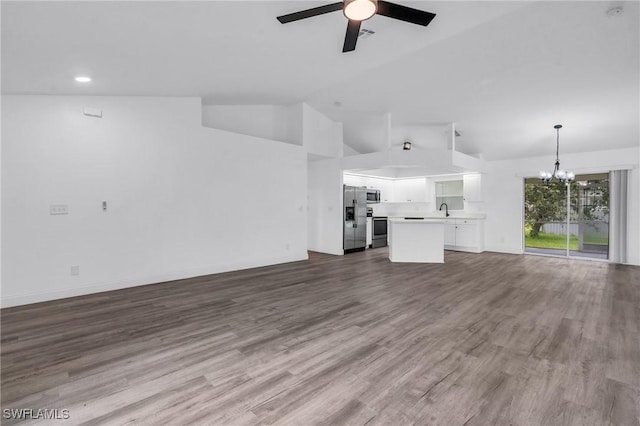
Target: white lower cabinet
x,y
449,233
464,235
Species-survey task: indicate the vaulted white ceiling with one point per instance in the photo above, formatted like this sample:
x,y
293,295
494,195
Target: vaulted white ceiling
x,y
504,72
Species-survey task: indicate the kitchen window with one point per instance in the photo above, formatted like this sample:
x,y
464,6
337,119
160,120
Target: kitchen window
x,y
450,192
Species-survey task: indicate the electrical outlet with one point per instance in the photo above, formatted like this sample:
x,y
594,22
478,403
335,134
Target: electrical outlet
x,y
75,270
55,209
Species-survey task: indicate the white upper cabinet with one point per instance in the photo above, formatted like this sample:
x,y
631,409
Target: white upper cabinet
x,y
387,190
423,189
412,190
472,188
385,186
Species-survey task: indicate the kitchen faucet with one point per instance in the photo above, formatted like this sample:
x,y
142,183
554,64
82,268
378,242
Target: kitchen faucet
x,y
446,209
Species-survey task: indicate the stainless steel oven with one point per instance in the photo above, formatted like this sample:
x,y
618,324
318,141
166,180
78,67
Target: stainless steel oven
x,y
373,196
379,237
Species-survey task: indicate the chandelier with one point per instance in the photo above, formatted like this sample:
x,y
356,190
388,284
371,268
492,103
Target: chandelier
x,y
563,176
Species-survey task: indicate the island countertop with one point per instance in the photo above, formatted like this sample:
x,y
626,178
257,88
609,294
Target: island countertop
x,y
436,215
415,219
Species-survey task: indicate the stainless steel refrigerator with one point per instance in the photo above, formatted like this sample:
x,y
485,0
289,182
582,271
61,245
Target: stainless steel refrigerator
x,y
355,218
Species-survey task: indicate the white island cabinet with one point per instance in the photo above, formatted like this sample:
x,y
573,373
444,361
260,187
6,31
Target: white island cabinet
x,y
463,234
416,240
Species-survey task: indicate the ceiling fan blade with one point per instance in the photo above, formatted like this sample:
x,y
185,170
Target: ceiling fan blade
x,y
350,39
404,13
310,12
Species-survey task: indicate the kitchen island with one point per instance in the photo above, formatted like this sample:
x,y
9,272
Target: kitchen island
x,y
416,240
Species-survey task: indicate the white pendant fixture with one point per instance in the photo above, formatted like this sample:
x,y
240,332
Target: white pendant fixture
x,y
359,10
562,176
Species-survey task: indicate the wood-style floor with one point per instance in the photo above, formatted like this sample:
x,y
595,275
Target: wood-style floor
x,y
482,339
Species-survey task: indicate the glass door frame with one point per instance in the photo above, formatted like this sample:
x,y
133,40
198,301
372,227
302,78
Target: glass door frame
x,y
567,222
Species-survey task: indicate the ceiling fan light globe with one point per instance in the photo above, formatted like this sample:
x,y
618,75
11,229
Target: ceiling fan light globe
x,y
359,10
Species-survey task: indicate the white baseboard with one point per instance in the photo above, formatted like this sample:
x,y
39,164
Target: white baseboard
x,y
504,249
26,299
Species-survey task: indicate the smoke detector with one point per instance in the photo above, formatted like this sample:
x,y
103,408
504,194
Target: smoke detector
x,y
614,11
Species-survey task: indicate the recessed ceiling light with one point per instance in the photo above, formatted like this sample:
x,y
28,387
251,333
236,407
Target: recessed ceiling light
x,y
83,79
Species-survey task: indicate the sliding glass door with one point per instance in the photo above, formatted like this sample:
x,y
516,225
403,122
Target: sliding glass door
x,y
590,216
567,220
545,224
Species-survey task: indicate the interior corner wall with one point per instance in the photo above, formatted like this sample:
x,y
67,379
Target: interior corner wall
x,y
503,189
182,200
293,114
321,135
263,121
347,150
325,206
369,133
503,192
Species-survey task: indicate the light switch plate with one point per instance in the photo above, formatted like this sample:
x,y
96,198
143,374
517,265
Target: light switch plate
x,y
92,112
57,209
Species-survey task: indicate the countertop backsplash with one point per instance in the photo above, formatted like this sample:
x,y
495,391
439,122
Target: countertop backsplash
x,y
421,210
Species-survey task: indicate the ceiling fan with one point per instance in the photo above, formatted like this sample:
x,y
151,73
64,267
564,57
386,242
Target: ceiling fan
x,y
357,11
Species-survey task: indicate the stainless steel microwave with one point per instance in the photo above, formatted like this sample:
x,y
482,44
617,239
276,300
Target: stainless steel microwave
x,y
373,196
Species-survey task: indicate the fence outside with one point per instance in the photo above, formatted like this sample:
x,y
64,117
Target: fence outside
x,y
592,228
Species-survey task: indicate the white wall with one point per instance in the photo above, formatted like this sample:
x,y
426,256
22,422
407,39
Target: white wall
x,y
325,233
321,135
503,191
633,218
298,124
322,138
265,121
347,150
183,200
367,133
